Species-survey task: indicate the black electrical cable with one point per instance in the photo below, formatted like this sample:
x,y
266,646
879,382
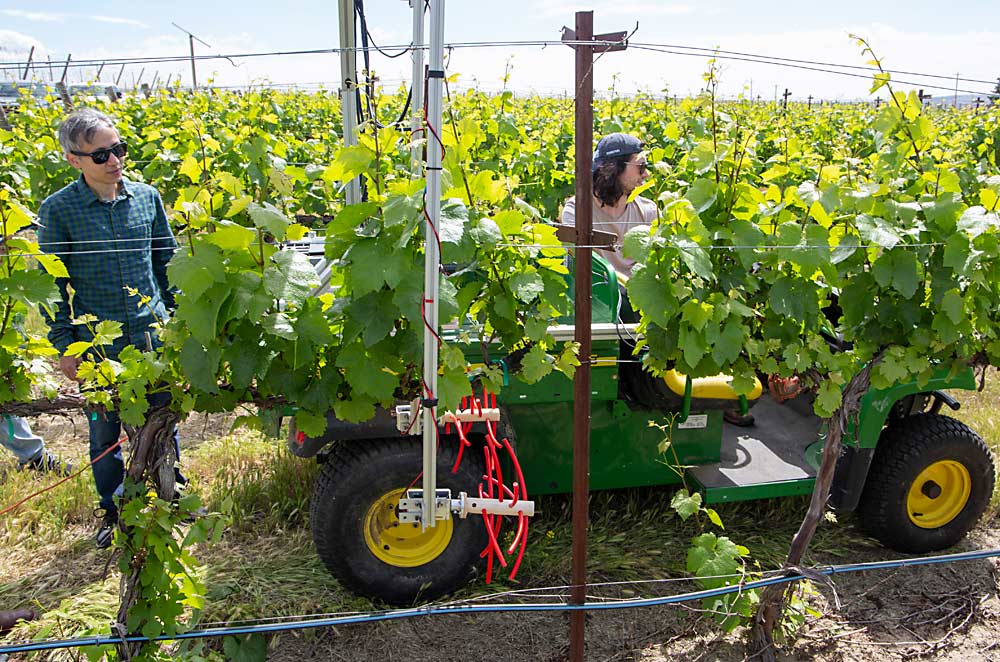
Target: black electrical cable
x,y
366,39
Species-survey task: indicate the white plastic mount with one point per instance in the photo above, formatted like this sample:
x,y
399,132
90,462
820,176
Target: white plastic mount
x,y
464,505
408,420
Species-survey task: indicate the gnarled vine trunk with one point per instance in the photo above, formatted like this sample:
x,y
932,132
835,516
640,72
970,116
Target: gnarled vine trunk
x,y
774,598
152,458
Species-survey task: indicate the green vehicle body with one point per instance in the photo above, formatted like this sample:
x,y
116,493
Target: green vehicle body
x,y
920,480
623,443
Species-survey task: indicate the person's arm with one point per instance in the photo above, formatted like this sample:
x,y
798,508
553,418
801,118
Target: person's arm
x,y
52,238
569,213
163,246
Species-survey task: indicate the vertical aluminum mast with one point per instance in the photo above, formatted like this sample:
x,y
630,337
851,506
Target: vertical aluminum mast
x,y
348,89
432,263
417,87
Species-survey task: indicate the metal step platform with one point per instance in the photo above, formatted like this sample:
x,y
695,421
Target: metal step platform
x,y
766,459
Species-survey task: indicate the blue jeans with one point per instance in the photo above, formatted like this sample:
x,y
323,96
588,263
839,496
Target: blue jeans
x,y
17,437
109,471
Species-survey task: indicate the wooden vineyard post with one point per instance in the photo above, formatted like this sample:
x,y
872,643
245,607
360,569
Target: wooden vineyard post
x,y
584,239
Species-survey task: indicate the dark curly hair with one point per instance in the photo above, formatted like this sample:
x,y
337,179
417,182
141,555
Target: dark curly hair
x,y
607,188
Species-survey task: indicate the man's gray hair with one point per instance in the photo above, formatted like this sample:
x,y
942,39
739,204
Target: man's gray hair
x,y
80,126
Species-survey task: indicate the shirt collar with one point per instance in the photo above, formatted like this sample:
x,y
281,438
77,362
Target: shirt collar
x,y
125,190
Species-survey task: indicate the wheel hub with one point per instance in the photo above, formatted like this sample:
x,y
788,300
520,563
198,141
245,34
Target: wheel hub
x,y
939,494
403,545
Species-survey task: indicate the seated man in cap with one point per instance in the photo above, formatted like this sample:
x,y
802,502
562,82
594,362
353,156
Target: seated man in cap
x,y
619,167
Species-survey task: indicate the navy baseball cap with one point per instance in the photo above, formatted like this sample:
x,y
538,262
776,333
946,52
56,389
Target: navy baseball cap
x,y
615,145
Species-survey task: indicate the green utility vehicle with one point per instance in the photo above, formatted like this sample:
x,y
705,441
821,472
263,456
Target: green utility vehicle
x,y
919,480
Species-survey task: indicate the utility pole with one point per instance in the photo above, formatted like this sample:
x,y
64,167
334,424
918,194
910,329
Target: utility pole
x,y
584,238
784,99
956,89
810,102
191,39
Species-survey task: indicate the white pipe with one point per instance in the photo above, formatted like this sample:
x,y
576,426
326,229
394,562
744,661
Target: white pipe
x,y
417,93
348,89
432,262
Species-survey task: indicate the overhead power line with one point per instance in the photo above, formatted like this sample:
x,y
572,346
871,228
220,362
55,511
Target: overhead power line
x,y
816,62
803,67
673,49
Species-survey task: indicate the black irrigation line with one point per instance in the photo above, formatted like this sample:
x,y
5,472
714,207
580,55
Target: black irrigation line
x,y
453,609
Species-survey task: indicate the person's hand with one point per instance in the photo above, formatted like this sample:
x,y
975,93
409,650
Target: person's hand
x,y
68,365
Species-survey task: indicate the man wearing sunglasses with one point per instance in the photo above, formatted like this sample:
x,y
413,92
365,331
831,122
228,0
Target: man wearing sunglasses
x,y
113,236
619,167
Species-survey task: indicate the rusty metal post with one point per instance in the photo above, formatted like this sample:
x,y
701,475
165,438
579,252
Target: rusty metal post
x,y
27,67
581,381
66,68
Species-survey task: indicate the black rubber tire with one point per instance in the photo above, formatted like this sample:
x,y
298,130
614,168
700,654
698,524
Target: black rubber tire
x,y
359,473
906,448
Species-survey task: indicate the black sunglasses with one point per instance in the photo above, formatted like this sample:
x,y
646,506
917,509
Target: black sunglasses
x,y
643,166
102,155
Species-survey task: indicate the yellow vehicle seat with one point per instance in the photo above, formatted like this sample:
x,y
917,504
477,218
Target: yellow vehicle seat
x,y
719,387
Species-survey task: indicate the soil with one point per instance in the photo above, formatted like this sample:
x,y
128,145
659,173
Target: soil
x,y
937,612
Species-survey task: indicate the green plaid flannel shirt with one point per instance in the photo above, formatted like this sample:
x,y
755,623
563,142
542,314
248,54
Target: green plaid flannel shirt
x,y
106,247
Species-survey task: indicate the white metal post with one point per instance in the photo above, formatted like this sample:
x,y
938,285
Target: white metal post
x,y
348,87
417,86
435,83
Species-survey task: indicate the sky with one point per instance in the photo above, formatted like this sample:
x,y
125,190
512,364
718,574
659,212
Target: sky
x,y
956,39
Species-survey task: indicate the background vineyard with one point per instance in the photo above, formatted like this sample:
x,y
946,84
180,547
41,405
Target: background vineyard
x,y
214,153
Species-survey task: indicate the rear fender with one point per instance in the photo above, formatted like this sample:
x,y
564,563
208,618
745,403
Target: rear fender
x,y
380,426
860,441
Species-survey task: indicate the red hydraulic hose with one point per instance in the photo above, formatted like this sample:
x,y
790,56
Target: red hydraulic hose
x,y
110,448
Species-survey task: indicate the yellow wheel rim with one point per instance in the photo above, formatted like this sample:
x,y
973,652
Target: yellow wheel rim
x,y
938,494
398,544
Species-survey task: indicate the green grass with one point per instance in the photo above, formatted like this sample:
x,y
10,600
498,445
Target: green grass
x,y
980,412
266,566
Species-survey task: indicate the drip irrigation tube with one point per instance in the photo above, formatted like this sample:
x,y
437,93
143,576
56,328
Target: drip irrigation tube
x,y
442,610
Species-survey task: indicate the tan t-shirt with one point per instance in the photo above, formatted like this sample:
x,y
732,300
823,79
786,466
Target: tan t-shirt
x,y
640,211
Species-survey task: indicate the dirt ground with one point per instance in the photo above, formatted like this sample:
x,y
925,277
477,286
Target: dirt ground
x,y
935,612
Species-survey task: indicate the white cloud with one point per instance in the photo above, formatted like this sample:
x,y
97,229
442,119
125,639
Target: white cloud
x,y
561,8
61,17
48,17
119,20
15,46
